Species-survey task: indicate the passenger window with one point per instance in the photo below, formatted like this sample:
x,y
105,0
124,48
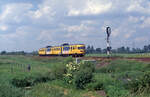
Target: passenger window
x,y
81,47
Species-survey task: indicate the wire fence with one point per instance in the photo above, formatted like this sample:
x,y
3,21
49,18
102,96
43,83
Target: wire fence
x,y
7,89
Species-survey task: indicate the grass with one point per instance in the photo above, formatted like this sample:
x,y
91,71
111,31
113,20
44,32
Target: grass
x,y
59,89
46,78
119,78
14,77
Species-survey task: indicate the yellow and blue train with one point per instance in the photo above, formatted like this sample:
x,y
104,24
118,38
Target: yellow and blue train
x,y
75,50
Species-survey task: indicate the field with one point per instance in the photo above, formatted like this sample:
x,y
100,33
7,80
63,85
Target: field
x,y
121,76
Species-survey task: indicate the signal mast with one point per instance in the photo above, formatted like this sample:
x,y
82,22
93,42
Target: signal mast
x,y
108,31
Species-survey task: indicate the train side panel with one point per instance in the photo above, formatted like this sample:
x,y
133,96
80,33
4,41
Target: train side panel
x,y
56,51
77,49
65,50
48,51
74,50
42,51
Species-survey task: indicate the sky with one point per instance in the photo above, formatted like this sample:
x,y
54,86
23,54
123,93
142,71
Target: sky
x,y
32,24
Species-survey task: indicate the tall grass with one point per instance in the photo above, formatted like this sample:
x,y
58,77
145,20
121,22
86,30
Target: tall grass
x,y
120,78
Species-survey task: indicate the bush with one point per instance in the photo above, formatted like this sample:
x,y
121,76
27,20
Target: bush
x,y
58,71
95,85
71,69
141,84
100,81
10,91
79,74
25,81
68,59
83,77
44,77
111,86
115,91
89,65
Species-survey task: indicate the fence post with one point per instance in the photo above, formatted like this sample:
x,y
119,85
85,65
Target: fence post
x,y
77,60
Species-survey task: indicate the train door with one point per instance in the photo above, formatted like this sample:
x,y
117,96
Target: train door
x,y
71,50
61,48
48,51
66,50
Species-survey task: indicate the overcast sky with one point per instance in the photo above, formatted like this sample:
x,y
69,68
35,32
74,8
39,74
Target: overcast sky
x,y
31,24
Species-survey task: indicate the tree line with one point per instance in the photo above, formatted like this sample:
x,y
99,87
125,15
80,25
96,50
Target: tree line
x,y
90,50
123,49
19,53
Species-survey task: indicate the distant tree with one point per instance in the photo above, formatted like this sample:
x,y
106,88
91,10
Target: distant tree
x,y
34,53
92,49
137,50
88,49
16,53
104,50
121,50
21,53
149,48
133,50
128,49
145,49
98,50
114,50
3,52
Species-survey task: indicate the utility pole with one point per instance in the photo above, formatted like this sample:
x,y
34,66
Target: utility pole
x,y
108,31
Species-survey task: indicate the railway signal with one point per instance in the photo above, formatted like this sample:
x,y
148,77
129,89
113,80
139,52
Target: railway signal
x,y
108,31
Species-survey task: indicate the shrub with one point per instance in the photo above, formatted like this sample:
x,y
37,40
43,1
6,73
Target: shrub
x,y
83,77
22,81
30,80
44,77
100,81
59,71
89,65
115,91
79,74
71,69
95,85
141,84
10,91
68,59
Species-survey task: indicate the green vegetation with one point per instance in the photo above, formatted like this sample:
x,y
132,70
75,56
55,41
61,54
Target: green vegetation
x,y
125,50
123,78
62,77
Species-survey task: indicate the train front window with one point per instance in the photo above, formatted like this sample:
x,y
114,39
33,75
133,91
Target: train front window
x,y
66,48
81,47
48,49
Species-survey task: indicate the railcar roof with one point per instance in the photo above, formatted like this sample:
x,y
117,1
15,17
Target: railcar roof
x,y
65,45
